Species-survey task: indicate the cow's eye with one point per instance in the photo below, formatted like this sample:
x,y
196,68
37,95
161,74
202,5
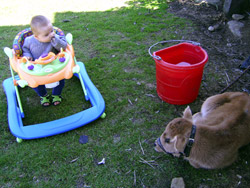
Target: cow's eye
x,y
167,140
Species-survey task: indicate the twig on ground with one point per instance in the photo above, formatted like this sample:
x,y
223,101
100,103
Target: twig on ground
x,y
227,82
223,90
130,101
74,160
150,95
141,148
128,172
134,178
227,77
150,163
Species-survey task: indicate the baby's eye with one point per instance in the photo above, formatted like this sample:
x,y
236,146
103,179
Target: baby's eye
x,y
167,140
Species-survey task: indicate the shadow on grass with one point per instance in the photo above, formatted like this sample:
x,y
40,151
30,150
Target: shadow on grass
x,y
72,103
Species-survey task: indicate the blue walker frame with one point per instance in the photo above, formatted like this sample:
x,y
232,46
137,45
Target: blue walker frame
x,y
58,126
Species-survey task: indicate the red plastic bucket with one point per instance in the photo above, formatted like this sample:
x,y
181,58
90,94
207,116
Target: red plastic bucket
x,y
179,71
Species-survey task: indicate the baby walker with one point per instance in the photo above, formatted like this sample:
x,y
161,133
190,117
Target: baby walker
x,y
46,70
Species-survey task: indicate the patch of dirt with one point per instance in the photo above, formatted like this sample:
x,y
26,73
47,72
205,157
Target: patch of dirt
x,y
226,52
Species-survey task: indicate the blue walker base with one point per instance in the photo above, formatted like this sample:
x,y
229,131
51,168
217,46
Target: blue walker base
x,y
57,126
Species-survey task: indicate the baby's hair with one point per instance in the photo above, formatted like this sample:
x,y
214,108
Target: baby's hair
x,y
38,22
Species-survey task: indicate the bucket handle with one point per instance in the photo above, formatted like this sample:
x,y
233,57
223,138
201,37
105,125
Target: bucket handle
x,y
167,41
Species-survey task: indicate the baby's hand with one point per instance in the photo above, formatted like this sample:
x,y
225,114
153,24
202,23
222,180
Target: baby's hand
x,y
53,39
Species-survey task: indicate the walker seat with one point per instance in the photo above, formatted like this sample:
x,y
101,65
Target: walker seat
x,y
47,69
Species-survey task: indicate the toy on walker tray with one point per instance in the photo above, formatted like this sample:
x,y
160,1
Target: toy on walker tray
x,y
48,69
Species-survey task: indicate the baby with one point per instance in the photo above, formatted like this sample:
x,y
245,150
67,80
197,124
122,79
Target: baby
x,y
43,41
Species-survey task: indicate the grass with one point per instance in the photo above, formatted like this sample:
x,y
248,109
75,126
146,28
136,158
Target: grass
x,y
113,45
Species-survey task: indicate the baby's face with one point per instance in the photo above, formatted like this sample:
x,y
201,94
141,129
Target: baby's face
x,y
45,34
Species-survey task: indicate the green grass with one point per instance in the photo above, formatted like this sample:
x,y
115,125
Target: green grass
x,y
113,45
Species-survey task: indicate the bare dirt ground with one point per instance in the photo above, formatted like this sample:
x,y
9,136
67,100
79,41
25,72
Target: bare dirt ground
x,y
226,52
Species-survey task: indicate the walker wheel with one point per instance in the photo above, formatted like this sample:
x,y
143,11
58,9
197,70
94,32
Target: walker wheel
x,y
103,115
19,140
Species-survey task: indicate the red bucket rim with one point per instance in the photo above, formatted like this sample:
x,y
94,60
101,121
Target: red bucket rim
x,y
174,66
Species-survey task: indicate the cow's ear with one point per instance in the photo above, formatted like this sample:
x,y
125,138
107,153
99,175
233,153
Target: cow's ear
x,y
179,143
187,114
